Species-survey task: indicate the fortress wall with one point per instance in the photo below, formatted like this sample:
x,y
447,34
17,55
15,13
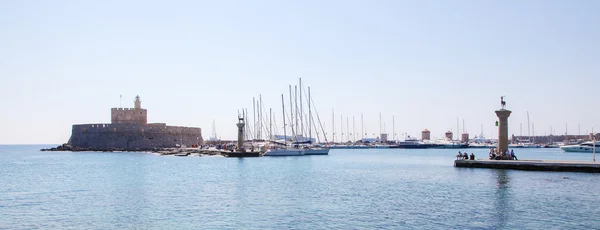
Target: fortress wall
x,y
132,136
128,116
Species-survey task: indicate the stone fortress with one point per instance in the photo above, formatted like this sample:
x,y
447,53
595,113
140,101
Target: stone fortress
x,y
129,130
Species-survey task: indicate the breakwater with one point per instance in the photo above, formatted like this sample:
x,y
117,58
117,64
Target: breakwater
x,y
534,165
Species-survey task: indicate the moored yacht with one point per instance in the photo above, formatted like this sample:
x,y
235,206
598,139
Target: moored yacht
x,y
284,151
411,143
586,147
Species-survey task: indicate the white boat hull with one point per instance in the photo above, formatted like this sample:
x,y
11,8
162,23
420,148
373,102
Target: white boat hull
x,y
316,151
578,149
284,152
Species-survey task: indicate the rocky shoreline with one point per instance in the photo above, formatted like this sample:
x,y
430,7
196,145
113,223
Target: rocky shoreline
x,y
157,151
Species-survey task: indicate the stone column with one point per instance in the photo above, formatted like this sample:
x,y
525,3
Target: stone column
x,y
503,115
240,141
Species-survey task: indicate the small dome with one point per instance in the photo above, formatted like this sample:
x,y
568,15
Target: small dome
x,y
425,130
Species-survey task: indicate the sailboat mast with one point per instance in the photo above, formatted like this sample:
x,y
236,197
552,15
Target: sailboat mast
x,y
379,124
310,117
528,127
260,116
270,124
347,129
353,130
341,128
393,128
301,109
457,129
254,117
283,115
362,127
533,131
333,125
481,130
291,114
296,122
244,114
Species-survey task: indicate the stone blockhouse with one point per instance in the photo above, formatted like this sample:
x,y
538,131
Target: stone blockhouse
x,y
129,130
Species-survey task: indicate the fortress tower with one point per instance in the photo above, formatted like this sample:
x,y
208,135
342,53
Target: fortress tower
x,y
135,115
138,103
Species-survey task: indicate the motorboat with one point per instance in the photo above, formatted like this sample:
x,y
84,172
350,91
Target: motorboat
x,y
586,147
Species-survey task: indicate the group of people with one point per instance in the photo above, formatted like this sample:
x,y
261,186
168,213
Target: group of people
x,y
465,156
507,155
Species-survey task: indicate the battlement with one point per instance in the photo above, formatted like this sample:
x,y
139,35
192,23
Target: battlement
x,y
112,109
128,116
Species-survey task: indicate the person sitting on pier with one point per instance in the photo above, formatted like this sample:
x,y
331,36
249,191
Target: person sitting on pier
x,y
466,156
513,156
459,155
472,156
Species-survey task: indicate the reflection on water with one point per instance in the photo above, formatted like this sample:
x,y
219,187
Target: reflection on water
x,y
502,198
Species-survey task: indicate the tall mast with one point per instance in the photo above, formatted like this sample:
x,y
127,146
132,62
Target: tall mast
x,y
481,130
254,117
521,128
347,129
393,128
245,116
270,125
332,125
457,130
283,115
310,118
291,114
533,131
528,127
301,109
379,124
353,130
296,122
362,127
341,128
260,116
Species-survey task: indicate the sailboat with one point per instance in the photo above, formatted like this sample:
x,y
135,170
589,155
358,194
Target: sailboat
x,y
284,149
311,148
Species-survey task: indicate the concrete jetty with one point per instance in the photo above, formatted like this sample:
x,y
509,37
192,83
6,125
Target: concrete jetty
x,y
535,165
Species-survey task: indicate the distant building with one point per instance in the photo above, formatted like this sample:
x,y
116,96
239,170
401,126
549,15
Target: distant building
x,y
425,135
383,137
449,135
465,137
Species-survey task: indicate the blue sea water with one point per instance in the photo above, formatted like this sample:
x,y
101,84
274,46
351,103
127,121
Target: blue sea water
x,y
349,189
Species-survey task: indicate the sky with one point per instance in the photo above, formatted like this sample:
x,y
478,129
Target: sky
x,y
427,64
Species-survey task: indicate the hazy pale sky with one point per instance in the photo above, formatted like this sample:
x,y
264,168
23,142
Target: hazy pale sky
x,y
426,63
